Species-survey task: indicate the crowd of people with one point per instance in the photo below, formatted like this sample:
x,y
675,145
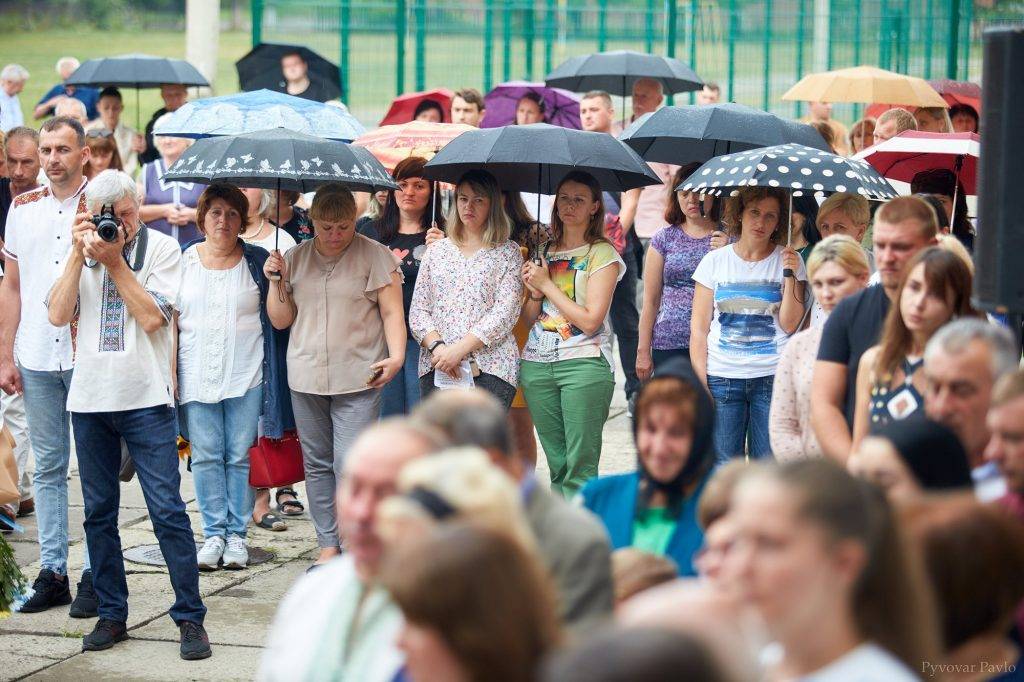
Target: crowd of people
x,y
829,480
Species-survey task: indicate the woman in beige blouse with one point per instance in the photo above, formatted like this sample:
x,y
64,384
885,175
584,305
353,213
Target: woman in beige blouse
x,y
341,295
837,268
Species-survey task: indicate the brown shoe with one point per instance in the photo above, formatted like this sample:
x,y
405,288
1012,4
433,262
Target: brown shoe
x,y
27,507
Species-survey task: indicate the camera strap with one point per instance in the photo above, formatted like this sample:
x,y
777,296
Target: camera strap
x,y
140,243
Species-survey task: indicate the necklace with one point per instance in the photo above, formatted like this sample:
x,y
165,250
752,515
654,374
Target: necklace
x,y
259,232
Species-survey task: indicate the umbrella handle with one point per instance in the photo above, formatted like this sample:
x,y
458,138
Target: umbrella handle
x,y
788,272
276,276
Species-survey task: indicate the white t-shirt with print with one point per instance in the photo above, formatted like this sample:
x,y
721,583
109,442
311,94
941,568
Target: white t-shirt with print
x,y
745,339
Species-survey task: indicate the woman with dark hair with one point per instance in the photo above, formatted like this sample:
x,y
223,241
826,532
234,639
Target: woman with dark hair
x,y
468,295
291,218
567,365
655,508
974,558
232,371
964,118
911,457
821,557
402,227
530,109
478,607
675,252
944,185
803,224
744,311
429,111
935,288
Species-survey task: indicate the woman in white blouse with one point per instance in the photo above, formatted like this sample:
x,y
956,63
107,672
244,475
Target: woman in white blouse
x,y
467,297
221,361
260,230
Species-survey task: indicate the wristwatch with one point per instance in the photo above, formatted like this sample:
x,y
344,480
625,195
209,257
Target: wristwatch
x,y
439,342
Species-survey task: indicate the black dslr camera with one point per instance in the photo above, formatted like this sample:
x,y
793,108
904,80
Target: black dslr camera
x,y
106,224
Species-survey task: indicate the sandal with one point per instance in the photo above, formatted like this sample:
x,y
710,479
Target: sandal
x,y
289,507
271,522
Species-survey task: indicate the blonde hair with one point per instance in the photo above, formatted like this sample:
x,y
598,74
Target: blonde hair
x,y
498,227
1008,388
904,119
950,243
466,480
940,113
842,250
853,205
333,203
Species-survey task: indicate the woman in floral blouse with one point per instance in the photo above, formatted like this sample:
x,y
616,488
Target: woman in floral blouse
x,y
467,297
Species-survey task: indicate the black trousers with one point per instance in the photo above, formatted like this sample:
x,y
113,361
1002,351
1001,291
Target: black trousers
x,y
625,317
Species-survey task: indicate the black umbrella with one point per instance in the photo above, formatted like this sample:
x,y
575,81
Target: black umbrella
x,y
685,134
136,71
796,168
615,72
261,68
535,158
280,159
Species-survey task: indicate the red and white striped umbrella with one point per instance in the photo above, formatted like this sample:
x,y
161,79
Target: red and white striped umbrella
x,y
911,152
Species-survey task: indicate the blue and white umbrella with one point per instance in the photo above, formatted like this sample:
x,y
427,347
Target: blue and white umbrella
x,y
792,167
248,112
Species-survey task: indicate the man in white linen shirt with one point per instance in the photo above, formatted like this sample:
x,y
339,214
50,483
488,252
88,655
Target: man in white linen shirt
x,y
38,239
12,82
336,623
123,287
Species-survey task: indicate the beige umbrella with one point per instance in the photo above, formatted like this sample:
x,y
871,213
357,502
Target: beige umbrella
x,y
865,84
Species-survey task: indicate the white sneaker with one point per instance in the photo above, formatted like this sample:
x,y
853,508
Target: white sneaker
x,y
209,556
237,553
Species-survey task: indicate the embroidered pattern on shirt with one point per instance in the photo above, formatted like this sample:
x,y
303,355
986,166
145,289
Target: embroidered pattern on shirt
x,y
111,317
30,196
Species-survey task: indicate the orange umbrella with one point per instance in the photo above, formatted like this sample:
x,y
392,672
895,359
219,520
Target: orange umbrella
x,y
865,84
391,144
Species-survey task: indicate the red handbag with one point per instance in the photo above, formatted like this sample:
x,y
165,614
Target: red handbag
x,y
274,463
613,231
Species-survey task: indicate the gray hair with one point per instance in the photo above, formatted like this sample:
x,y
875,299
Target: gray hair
x,y
264,201
954,337
63,106
15,73
67,61
110,187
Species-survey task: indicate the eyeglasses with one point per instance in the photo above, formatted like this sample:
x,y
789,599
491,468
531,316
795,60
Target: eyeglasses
x,y
102,132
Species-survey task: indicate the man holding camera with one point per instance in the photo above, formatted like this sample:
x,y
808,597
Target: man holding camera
x,y
122,279
38,239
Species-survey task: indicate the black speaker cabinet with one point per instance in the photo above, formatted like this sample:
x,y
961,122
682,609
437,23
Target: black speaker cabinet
x,y
999,249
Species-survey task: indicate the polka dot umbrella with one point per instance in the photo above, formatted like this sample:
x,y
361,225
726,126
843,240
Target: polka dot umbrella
x,y
795,168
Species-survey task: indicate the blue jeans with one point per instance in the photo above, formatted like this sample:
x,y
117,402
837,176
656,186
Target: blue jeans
x,y
221,435
741,410
46,397
402,393
151,434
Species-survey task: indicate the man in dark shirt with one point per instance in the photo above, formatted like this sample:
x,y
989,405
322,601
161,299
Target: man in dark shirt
x,y
22,170
174,97
902,227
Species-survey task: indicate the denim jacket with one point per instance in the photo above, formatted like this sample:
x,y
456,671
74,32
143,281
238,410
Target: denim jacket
x,y
277,404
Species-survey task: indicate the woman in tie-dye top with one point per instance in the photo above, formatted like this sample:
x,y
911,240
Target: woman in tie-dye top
x,y
566,371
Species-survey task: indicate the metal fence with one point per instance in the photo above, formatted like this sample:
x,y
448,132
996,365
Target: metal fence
x,y
755,49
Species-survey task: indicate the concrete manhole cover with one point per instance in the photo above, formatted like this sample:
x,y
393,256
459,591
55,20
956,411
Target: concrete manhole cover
x,y
150,555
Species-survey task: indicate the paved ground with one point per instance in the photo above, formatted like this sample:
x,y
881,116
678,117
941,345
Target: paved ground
x,y
47,646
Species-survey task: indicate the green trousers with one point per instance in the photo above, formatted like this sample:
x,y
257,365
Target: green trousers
x,y
568,401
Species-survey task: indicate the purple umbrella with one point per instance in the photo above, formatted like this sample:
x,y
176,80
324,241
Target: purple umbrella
x,y
561,107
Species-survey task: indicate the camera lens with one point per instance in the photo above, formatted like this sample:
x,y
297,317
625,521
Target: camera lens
x,y
107,229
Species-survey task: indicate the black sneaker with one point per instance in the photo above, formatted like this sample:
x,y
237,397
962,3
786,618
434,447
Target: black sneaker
x,y
86,603
106,634
195,643
49,590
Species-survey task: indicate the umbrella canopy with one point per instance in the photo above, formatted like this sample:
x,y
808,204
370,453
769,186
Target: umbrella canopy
x,y
261,68
911,152
280,159
865,84
561,107
535,158
136,71
959,92
690,133
248,112
802,170
391,144
615,72
402,108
